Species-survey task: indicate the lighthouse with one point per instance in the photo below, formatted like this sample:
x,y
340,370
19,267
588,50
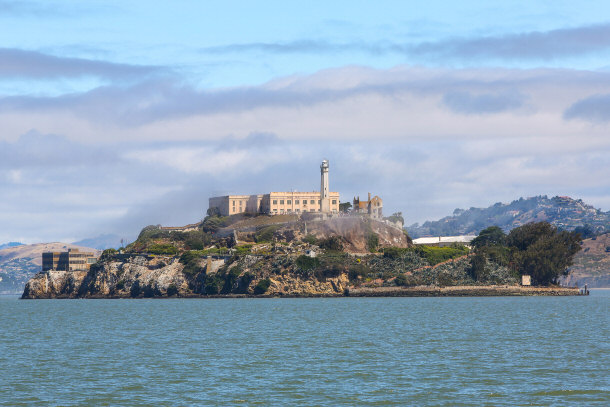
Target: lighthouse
x,y
324,189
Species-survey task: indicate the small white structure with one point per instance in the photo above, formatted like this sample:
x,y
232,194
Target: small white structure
x,y
443,241
526,279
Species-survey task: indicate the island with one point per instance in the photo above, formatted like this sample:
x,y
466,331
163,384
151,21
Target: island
x,y
309,244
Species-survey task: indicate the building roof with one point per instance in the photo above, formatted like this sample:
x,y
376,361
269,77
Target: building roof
x,y
444,239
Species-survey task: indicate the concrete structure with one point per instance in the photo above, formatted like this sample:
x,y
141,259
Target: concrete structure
x,y
444,241
324,193
373,206
72,260
279,203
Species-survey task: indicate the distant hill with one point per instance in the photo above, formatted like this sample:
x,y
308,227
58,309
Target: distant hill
x,y
591,264
101,242
19,263
10,244
561,211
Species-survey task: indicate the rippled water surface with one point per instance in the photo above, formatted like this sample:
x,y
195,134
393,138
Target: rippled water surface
x,y
336,351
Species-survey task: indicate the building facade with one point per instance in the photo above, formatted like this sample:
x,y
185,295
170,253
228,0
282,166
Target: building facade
x,y
373,206
279,203
72,260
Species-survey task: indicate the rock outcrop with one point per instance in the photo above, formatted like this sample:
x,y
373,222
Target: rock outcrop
x,y
134,277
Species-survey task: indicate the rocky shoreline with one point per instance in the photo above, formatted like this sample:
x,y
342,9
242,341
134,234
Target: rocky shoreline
x,y
463,291
81,285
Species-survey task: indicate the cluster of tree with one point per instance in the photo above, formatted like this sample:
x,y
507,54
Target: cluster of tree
x,y
536,249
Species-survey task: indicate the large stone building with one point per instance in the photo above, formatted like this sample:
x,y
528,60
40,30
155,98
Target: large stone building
x,y
373,206
72,260
277,203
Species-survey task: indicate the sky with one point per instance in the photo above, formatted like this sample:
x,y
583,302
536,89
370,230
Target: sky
x,y
117,115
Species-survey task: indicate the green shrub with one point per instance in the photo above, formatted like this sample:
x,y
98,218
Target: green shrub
x,y
307,263
120,285
404,280
231,279
477,267
372,242
358,271
333,243
172,290
108,254
395,252
213,284
265,234
435,255
262,286
245,249
163,249
311,239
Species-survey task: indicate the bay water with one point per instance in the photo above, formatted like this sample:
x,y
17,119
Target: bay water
x,y
468,351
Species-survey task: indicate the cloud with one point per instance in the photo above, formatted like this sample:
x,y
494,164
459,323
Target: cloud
x,y
486,103
54,188
156,100
537,45
18,63
595,108
304,46
27,8
36,150
532,45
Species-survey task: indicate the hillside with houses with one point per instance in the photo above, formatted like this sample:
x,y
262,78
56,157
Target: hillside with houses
x,y
561,211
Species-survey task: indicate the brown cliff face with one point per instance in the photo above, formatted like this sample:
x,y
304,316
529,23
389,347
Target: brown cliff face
x,y
355,231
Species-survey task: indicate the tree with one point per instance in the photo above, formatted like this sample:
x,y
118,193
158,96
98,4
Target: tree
x,y
345,207
542,251
491,236
585,231
213,212
396,217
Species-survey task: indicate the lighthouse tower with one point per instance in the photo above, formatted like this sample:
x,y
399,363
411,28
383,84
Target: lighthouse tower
x,y
324,189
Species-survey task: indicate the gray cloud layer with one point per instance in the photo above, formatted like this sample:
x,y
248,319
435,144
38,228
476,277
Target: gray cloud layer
x,y
486,103
530,45
465,92
533,45
17,63
594,109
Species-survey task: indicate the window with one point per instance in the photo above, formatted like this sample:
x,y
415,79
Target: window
x,y
312,202
275,201
289,210
281,211
233,203
289,202
318,202
281,202
334,201
296,201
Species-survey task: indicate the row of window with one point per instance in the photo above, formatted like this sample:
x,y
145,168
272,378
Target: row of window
x,y
297,202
